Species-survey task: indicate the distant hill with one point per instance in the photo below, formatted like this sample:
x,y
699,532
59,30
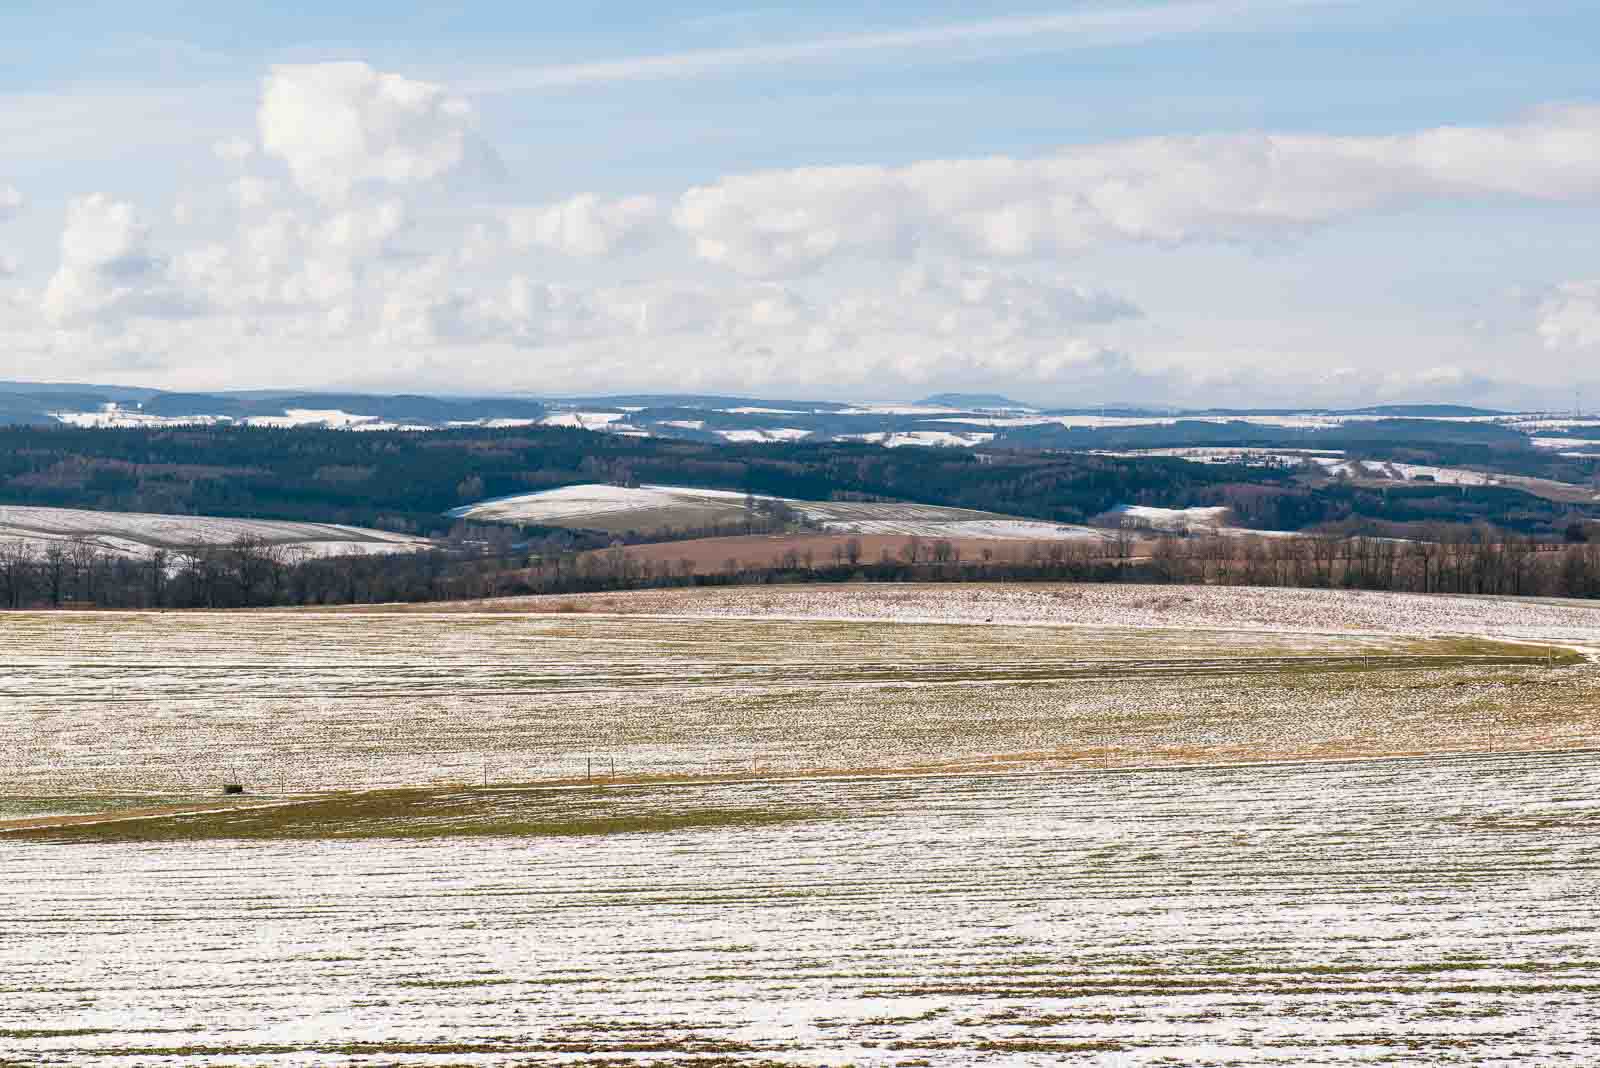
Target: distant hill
x,y
1426,411
693,400
973,400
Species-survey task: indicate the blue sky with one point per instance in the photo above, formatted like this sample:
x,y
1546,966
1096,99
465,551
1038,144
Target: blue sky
x,y
1230,201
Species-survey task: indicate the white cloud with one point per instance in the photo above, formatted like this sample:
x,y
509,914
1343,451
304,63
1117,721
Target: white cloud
x,y
585,225
1024,302
234,149
340,125
11,201
252,192
1165,190
1569,317
954,273
108,270
11,204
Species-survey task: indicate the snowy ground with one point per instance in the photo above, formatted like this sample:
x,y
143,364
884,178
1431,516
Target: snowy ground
x,y
926,438
138,534
169,702
1200,840
1245,611
1439,911
651,507
745,436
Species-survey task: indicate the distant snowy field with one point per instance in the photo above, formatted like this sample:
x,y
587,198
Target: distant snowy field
x,y
650,507
138,534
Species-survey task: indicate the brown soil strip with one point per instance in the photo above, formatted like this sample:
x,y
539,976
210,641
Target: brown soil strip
x,y
112,815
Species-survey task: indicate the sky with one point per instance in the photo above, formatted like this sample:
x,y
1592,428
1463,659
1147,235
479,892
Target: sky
x,y
1190,202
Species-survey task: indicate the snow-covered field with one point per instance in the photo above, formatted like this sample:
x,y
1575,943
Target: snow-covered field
x,y
925,438
1237,826
1195,519
604,507
1439,911
1216,454
935,521
164,702
1248,611
138,534
584,420
747,436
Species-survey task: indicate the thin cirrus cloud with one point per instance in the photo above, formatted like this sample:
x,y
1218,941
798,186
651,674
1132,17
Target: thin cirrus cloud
x,y
1019,34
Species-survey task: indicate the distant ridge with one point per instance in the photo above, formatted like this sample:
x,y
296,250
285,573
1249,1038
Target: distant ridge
x,y
973,400
1425,411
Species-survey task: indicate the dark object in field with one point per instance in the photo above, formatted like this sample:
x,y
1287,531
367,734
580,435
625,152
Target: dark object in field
x,y
232,788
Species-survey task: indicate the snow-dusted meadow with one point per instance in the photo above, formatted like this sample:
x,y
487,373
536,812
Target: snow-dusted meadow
x,y
604,507
138,534
1244,614
1438,911
298,701
867,825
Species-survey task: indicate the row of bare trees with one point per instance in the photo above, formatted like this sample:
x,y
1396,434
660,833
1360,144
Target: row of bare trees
x,y
251,573
1507,565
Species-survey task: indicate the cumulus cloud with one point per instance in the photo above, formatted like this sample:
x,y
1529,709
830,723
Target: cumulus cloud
x,y
585,225
1165,190
1569,317
337,126
1024,302
107,267
323,236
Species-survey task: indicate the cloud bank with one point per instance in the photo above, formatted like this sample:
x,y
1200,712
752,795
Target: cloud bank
x,y
340,245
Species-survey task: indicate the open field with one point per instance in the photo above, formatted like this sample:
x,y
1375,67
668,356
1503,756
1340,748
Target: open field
x,y
853,825
138,535
159,702
1438,911
1246,610
619,509
710,555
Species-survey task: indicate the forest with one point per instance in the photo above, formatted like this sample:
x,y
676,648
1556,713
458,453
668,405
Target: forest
x,y
407,481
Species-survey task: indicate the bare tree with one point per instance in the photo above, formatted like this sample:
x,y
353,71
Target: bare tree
x,y
54,571
15,564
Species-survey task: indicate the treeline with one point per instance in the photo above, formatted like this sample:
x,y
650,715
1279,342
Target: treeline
x,y
252,574
1463,562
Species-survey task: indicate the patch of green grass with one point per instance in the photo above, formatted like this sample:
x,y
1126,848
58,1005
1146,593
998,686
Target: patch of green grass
x,y
434,813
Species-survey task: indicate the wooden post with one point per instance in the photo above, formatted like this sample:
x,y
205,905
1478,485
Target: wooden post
x,y
588,769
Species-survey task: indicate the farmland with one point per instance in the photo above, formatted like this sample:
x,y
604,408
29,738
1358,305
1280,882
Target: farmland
x,y
137,536
619,509
875,825
1435,911
756,551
